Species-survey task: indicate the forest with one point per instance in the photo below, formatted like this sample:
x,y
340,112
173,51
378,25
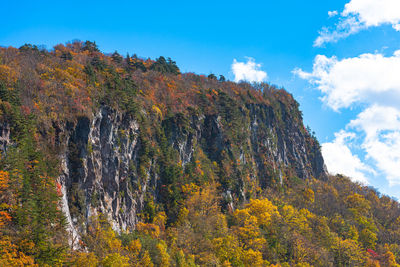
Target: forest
x,y
232,200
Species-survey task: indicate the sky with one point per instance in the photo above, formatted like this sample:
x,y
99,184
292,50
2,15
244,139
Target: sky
x,y
339,58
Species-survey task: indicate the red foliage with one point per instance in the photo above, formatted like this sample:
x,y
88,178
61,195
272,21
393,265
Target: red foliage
x,y
373,253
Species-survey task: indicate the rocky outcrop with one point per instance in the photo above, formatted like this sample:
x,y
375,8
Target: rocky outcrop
x,y
4,136
96,168
286,143
102,173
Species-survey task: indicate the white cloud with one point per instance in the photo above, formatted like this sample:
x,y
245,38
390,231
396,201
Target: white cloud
x,y
332,13
381,126
362,14
340,160
249,71
368,79
378,129
396,27
345,27
374,12
372,80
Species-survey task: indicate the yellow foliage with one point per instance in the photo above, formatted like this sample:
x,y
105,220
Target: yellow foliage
x,y
76,71
133,250
190,188
83,259
389,259
227,248
119,70
308,195
149,229
183,260
115,260
303,264
112,242
247,230
146,260
134,247
157,110
182,217
357,204
352,233
348,253
297,220
101,239
258,213
8,75
202,201
368,238
372,263
253,258
160,219
263,210
229,251
11,256
162,248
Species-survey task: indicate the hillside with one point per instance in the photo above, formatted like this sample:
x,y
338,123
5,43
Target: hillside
x,y
123,161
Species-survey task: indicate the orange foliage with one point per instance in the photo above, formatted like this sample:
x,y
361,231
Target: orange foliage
x,y
11,256
4,215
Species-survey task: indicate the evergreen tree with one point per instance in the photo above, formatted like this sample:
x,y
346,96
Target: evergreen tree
x,y
165,66
212,77
117,58
90,46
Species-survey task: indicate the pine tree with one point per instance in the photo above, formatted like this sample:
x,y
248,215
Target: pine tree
x,y
37,217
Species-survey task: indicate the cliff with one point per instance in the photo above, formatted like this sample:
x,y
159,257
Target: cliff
x,y
122,161
100,164
126,136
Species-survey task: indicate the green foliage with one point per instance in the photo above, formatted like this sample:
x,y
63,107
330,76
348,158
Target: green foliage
x,y
29,48
37,217
205,162
11,96
120,93
117,58
212,76
165,66
90,46
139,66
90,73
66,56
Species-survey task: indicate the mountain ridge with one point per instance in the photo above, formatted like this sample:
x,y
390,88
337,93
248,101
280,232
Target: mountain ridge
x,y
134,146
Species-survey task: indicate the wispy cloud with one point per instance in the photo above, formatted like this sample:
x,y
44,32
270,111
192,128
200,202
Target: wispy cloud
x,y
248,71
332,13
359,15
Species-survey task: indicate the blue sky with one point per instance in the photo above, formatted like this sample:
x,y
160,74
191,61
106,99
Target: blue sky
x,y
287,39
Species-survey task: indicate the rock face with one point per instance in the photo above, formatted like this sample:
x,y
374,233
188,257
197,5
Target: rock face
x,y
4,136
130,133
95,170
286,144
101,171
